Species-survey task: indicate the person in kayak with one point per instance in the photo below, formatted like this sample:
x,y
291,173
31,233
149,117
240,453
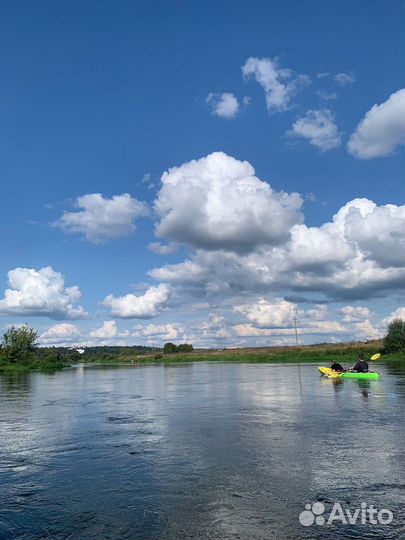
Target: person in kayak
x,y
336,366
361,365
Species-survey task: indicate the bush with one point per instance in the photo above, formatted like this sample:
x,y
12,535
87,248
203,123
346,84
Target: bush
x,y
395,339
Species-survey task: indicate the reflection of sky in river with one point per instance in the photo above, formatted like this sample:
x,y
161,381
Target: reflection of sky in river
x,y
217,450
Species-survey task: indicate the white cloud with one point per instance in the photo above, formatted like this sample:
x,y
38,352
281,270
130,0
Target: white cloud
x,y
319,128
149,181
40,293
145,306
103,219
366,330
377,231
381,130
345,259
321,327
159,332
398,313
218,203
277,317
355,313
268,314
344,79
327,96
162,249
223,105
279,85
60,334
109,330
215,328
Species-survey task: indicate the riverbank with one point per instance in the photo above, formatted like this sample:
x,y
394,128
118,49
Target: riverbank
x,y
37,366
345,353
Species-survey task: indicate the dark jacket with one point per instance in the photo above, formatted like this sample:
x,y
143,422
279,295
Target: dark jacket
x,y
361,366
336,367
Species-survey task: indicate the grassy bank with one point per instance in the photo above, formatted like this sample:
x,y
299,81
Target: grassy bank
x,y
345,353
37,366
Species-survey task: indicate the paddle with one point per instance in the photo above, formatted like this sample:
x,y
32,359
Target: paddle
x,y
335,374
372,358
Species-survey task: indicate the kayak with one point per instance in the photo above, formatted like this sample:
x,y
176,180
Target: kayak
x,y
369,375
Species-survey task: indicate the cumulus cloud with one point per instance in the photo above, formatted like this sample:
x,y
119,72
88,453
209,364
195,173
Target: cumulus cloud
x,y
319,128
278,316
355,313
60,334
344,79
224,105
359,321
145,306
102,219
398,313
366,330
279,85
159,332
40,293
377,231
217,202
381,130
346,258
268,314
108,330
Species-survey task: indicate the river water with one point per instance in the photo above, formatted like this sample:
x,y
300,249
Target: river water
x,y
207,450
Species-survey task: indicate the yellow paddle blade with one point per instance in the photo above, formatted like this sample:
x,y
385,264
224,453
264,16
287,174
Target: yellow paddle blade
x,y
375,356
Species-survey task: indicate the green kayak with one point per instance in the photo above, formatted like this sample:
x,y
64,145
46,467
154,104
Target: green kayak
x,y
369,375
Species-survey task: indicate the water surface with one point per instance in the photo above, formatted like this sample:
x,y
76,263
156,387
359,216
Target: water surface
x,y
209,450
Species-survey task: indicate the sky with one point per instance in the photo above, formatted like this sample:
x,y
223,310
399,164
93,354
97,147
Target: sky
x,y
203,172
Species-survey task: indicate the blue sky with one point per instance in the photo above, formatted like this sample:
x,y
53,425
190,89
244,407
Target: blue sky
x,y
104,97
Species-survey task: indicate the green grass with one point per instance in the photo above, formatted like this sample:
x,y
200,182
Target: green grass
x,y
321,354
344,353
36,366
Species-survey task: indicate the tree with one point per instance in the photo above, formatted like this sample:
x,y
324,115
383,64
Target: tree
x,y
50,357
169,348
395,339
19,344
185,347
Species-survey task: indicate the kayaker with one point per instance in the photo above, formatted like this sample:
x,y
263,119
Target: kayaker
x,y
361,366
336,366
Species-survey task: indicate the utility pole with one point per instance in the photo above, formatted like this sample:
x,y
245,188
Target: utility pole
x,y
295,326
220,337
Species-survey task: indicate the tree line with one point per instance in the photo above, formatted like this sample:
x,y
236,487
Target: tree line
x,y
171,348
19,347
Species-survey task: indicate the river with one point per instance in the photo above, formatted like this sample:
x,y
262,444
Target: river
x,y
207,450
